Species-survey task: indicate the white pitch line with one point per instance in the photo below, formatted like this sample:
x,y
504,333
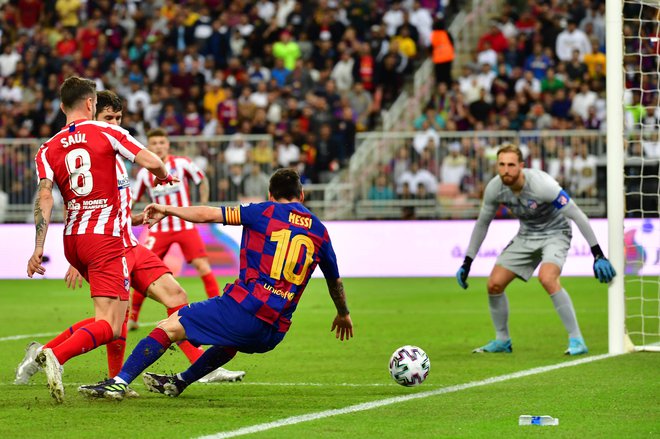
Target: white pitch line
x,y
398,399
47,334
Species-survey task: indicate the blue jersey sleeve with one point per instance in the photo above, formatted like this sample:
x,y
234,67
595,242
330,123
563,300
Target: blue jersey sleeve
x,y
328,262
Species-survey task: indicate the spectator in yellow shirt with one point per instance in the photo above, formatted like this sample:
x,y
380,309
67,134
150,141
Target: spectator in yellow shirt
x,y
407,45
287,50
595,58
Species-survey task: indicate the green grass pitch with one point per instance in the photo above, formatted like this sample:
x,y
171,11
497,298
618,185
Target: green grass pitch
x,y
312,372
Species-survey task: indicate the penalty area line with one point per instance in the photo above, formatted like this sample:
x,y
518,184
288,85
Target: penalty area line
x,y
293,420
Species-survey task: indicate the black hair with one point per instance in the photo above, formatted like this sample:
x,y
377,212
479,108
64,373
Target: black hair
x,y
285,184
108,99
75,89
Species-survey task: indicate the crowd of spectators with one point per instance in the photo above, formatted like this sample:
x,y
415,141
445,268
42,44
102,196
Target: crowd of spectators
x,y
539,67
309,73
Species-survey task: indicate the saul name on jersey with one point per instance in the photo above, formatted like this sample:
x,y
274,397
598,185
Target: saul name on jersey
x,y
73,139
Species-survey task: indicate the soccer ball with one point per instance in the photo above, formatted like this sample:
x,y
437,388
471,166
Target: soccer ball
x,y
409,366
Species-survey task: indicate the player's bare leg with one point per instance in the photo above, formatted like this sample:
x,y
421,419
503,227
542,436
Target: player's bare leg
x,y
549,278
498,303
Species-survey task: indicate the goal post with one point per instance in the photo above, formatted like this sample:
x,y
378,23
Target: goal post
x,y
633,174
615,189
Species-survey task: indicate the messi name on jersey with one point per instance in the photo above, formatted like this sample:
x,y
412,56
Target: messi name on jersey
x,y
299,220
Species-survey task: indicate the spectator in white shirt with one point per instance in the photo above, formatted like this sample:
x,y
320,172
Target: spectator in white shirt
x,y
393,18
426,138
137,100
342,72
423,21
454,165
571,39
287,152
237,150
260,96
582,100
414,176
8,60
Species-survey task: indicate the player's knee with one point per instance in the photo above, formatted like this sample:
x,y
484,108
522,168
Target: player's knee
x,y
495,286
549,282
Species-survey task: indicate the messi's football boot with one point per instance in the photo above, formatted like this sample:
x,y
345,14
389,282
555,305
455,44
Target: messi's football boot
x,y
168,385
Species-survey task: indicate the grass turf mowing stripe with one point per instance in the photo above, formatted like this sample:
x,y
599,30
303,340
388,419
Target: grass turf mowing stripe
x,y
398,399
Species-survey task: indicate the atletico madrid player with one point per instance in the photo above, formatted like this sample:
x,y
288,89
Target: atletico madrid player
x,y
173,230
77,159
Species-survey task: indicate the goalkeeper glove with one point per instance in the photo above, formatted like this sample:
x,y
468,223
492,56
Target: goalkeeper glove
x,y
603,270
462,273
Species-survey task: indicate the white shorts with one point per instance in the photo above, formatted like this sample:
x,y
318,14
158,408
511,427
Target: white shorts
x,y
523,255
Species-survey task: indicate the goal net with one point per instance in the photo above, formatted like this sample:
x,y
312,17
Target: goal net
x,y
640,146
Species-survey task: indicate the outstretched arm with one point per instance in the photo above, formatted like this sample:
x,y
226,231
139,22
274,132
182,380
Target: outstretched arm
x,y
196,214
342,324
43,207
603,269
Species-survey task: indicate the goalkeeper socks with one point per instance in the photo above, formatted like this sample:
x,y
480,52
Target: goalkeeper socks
x,y
147,351
190,351
115,350
136,304
210,285
85,339
68,333
564,307
214,357
499,313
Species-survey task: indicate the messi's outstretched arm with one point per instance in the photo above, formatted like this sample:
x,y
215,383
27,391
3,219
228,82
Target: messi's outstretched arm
x,y
196,214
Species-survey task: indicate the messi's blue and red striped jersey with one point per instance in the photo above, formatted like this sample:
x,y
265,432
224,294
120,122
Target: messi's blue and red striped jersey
x,y
281,246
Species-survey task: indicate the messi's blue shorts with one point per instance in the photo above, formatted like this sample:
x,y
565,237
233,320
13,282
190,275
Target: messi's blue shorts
x,y
221,321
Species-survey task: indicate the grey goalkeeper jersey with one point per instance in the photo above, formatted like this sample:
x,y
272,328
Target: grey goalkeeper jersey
x,y
542,208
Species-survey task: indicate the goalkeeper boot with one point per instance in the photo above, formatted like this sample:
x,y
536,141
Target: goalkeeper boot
x,y
132,325
49,363
576,346
108,389
496,346
28,366
222,375
169,385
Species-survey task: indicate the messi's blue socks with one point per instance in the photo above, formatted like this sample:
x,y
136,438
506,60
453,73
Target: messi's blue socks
x,y
147,351
214,357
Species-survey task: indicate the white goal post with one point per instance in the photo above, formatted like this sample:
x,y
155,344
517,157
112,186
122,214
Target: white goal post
x,y
634,297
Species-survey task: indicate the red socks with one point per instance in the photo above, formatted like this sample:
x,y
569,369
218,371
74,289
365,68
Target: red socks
x,y
136,305
68,333
84,340
191,352
116,349
210,285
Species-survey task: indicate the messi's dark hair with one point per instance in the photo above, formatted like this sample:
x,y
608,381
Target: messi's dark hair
x,y
285,184
75,89
108,99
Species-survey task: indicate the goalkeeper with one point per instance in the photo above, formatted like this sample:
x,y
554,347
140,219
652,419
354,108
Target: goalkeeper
x,y
544,237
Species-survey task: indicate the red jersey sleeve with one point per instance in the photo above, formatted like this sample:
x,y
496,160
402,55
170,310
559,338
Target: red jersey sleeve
x,y
44,169
193,171
122,141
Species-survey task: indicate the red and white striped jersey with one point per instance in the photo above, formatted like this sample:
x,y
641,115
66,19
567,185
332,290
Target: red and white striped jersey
x,y
125,203
80,159
176,194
